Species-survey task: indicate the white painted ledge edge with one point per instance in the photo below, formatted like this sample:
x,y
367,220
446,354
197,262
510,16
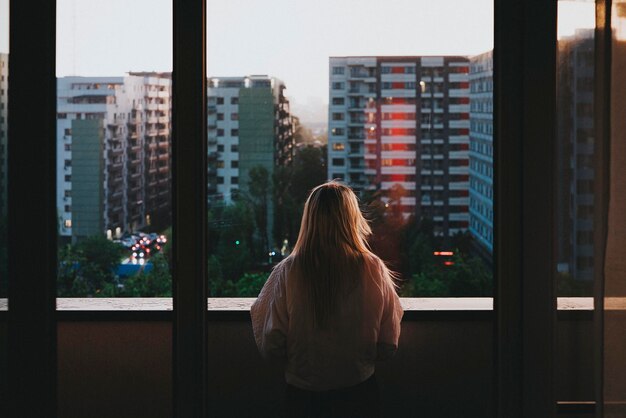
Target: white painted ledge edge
x,y
243,304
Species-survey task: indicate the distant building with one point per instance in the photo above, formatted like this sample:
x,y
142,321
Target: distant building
x,y
4,109
481,152
249,125
399,126
113,153
575,155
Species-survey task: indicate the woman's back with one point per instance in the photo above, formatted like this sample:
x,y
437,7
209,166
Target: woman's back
x,y
364,326
329,310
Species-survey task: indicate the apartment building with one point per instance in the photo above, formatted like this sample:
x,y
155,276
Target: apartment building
x,y
481,153
4,105
249,125
399,126
113,153
576,155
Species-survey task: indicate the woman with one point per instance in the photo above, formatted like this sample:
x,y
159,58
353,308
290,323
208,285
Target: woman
x,y
329,311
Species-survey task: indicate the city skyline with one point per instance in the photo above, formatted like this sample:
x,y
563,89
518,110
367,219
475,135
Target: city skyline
x,y
87,45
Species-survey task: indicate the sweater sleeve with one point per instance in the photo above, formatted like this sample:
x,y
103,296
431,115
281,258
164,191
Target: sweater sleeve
x,y
389,333
270,320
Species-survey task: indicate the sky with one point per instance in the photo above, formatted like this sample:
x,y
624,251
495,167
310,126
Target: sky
x,y
287,39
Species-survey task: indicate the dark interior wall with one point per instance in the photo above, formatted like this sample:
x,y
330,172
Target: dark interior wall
x,y
3,368
123,369
443,369
115,369
574,359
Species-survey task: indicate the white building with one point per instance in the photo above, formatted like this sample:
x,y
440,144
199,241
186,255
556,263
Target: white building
x,y
249,124
400,126
113,151
481,151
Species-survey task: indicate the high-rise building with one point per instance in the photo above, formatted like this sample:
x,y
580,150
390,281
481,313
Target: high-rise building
x,y
575,155
113,153
399,126
481,153
249,125
4,109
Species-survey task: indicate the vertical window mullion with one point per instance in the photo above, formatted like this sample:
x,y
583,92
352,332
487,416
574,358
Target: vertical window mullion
x,y
32,222
189,148
524,117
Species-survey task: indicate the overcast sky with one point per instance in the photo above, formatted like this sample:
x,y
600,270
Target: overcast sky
x,y
288,39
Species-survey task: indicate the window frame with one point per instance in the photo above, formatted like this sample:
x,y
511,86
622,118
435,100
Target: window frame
x,y
524,304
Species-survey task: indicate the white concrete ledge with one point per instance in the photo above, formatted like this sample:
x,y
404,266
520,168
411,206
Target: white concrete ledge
x,y
243,304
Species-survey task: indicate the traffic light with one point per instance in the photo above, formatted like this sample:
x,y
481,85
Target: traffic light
x,y
237,242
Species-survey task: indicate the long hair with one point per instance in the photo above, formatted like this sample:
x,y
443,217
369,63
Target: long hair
x,y
329,253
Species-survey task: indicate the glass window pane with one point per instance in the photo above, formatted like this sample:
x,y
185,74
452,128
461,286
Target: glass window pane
x,y
575,185
614,370
575,191
399,111
114,61
392,98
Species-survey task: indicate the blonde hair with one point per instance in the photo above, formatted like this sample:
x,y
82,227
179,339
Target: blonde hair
x,y
331,246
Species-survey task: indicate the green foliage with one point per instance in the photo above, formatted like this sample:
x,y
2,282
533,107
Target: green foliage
x,y
292,185
568,286
259,195
231,224
88,268
408,245
250,284
156,283
467,277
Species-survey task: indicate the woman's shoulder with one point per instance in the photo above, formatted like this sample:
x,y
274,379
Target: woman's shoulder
x,y
377,270
283,267
372,261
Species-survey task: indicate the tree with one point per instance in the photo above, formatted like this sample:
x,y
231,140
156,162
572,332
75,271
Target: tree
x,y
258,189
250,284
156,283
89,266
302,134
309,170
286,209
